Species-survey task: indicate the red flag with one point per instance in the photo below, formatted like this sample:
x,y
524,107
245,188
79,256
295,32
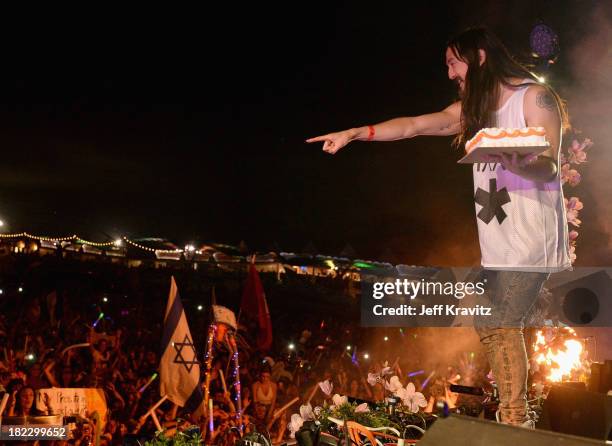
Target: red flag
x,y
254,305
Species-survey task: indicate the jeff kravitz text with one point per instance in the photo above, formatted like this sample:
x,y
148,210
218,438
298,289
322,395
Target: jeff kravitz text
x,y
434,310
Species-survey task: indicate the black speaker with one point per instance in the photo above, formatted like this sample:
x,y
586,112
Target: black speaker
x,y
582,297
577,412
466,431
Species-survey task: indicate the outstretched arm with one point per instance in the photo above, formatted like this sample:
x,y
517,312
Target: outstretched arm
x,y
443,123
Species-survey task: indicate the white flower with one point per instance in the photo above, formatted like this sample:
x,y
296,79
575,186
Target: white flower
x,y
373,378
295,424
394,384
326,387
413,399
362,408
306,412
339,400
317,411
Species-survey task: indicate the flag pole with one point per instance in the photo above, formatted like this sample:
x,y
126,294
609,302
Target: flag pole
x,y
5,398
240,309
152,414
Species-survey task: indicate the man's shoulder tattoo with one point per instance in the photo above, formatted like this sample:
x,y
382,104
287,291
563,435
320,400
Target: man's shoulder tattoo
x,y
545,100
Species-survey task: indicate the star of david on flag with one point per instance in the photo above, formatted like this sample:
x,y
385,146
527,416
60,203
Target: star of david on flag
x,y
179,359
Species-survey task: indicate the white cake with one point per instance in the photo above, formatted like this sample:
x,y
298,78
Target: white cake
x,y
506,137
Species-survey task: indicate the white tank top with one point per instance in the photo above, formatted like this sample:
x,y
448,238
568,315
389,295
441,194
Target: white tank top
x,y
521,224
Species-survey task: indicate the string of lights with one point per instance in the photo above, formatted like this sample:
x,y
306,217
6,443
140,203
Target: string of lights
x,y
75,238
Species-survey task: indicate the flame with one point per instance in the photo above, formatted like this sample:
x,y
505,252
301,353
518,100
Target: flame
x,y
562,357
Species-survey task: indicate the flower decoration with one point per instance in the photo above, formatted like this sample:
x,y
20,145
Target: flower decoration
x,y
295,424
362,408
393,385
577,151
572,253
569,175
326,387
411,398
373,378
573,206
339,400
306,412
575,154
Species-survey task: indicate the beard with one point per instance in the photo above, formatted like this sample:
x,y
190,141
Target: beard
x,y
460,87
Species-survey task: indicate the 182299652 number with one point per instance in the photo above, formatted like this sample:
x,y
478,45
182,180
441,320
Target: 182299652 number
x,y
19,432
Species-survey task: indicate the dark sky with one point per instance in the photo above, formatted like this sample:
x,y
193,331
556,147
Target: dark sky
x,y
190,124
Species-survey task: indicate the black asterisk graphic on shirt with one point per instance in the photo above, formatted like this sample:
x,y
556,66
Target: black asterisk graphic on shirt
x,y
492,202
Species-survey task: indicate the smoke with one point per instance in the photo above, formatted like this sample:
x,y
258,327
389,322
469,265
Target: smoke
x,y
589,99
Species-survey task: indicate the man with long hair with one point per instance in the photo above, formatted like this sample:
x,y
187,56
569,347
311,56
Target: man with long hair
x,y
524,240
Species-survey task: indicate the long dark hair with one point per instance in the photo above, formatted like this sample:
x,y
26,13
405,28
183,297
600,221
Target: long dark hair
x,y
482,87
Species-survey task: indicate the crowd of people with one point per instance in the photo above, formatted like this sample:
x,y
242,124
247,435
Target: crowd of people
x,y
100,327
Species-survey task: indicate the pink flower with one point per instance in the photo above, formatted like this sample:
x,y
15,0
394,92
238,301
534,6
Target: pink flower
x,y
569,175
572,253
326,387
295,424
573,206
573,235
362,408
577,151
412,399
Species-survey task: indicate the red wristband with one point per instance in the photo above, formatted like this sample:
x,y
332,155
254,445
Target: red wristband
x,y
371,132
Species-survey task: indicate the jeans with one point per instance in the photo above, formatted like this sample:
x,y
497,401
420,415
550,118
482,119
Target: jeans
x,y
511,295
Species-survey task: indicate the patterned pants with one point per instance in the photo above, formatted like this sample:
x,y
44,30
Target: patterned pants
x,y
511,295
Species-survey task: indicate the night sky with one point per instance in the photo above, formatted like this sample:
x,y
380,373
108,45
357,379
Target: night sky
x,y
190,125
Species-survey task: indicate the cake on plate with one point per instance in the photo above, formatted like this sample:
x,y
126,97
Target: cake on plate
x,y
502,137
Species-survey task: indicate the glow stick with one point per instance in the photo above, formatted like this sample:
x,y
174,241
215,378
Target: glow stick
x,y
427,380
100,316
148,383
211,423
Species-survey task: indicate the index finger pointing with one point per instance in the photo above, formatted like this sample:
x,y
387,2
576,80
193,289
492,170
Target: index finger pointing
x,y
318,139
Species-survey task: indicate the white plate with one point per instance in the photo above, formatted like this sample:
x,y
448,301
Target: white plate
x,y
478,154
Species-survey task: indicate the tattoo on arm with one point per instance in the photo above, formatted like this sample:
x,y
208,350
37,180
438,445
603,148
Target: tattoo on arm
x,y
545,100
